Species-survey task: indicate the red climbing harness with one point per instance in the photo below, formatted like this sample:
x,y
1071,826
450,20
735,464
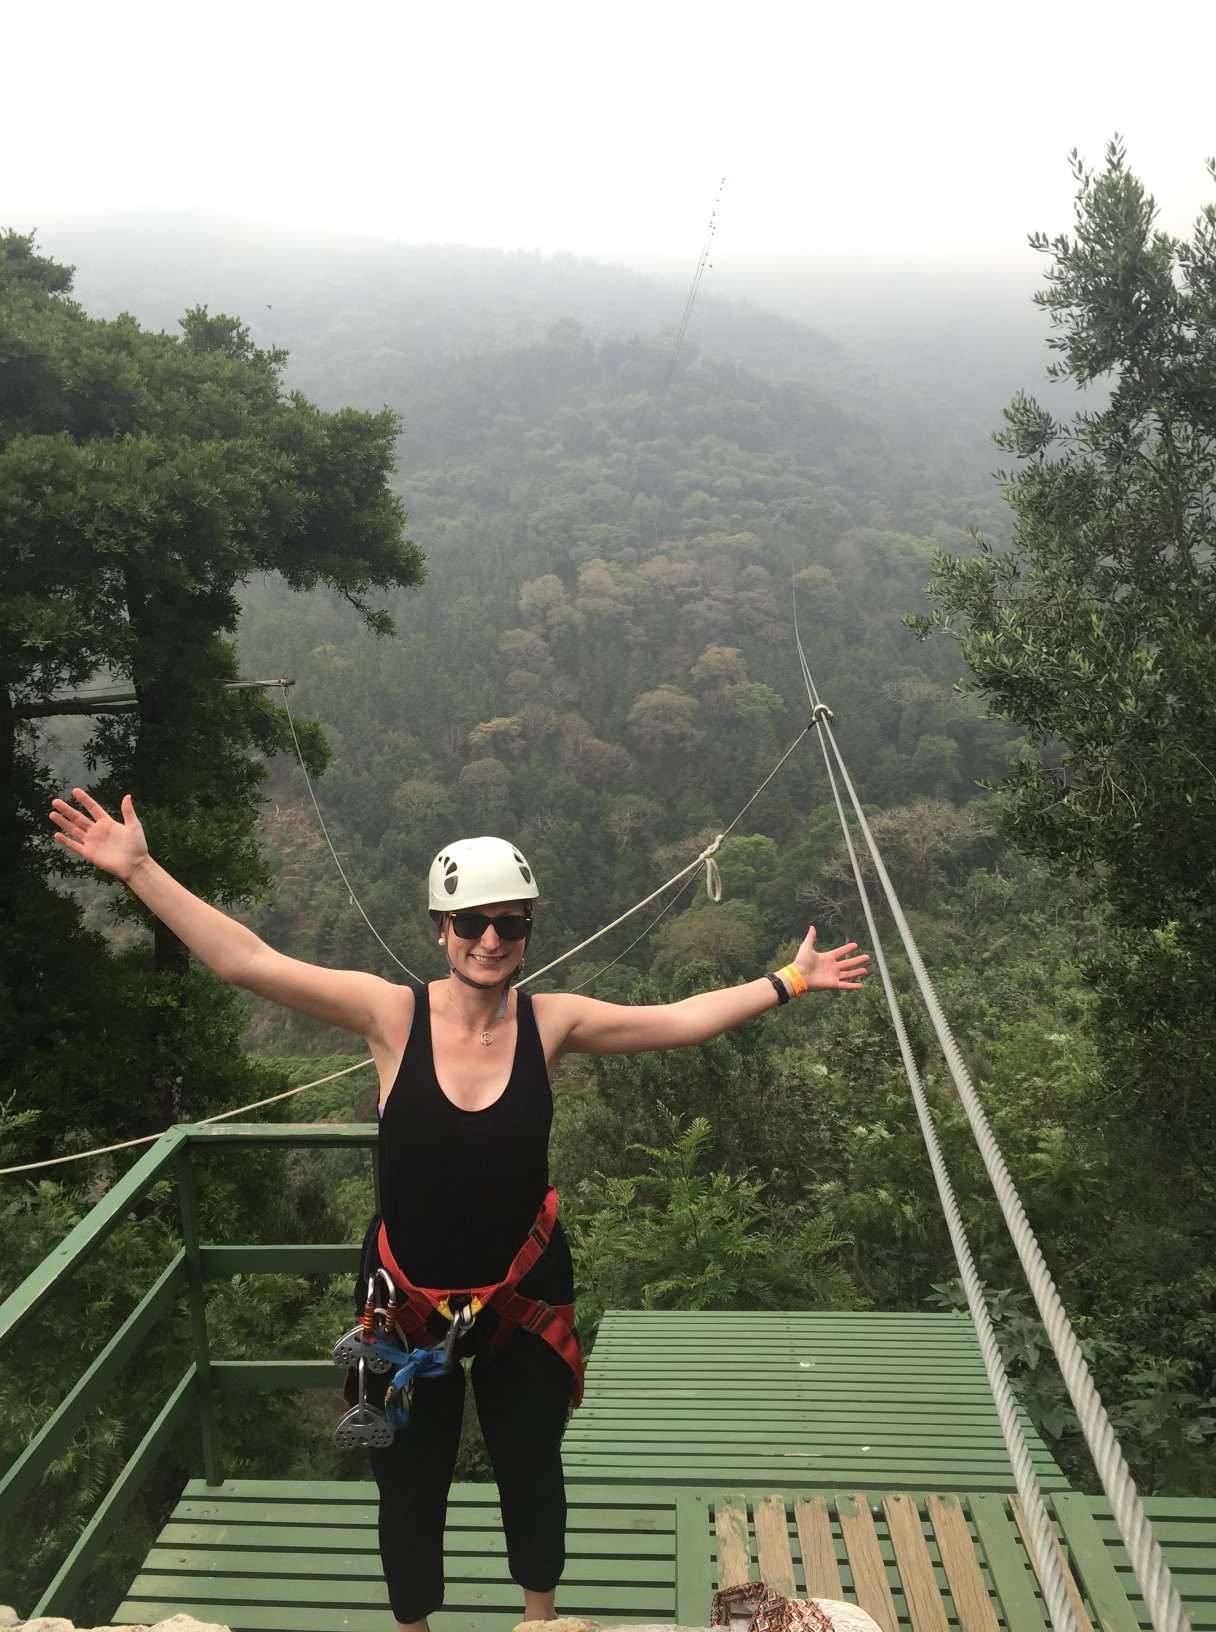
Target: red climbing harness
x,y
552,1322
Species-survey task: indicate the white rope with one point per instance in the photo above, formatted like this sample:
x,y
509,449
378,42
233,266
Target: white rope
x,y
1152,1574
662,913
151,1138
713,879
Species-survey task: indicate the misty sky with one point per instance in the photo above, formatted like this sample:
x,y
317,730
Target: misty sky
x,y
928,129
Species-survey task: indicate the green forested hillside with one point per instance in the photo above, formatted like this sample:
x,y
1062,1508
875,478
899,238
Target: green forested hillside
x,y
601,665
606,679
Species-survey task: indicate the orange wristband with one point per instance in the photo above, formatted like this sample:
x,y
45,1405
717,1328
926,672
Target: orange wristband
x,y
795,977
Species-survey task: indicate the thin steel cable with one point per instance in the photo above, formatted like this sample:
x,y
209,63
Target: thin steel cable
x,y
1042,1537
1152,1574
334,853
151,1138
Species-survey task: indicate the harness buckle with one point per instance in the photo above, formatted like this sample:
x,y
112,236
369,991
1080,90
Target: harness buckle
x,y
539,1318
462,1322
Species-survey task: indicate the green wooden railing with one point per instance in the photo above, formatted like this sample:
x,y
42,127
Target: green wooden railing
x,y
195,1264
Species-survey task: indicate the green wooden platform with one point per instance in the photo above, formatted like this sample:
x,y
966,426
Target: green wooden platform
x,y
856,1401
279,1557
753,1434
302,1557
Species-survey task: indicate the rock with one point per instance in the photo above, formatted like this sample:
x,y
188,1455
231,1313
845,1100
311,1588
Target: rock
x,y
567,1623
184,1623
563,1623
53,1623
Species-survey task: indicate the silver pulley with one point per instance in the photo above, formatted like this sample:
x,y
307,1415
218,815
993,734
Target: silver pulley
x,y
363,1427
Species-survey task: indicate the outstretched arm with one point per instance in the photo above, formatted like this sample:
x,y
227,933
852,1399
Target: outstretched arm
x,y
583,1025
359,1002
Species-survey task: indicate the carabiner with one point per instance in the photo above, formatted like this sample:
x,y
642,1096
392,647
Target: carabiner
x,y
462,1323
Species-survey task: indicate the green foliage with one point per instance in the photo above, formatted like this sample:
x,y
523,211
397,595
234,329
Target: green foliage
x,y
147,477
608,683
1165,1430
707,1240
1093,632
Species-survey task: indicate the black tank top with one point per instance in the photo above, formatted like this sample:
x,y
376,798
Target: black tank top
x,y
459,1190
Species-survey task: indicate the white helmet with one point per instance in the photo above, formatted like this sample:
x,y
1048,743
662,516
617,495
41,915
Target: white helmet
x,y
476,872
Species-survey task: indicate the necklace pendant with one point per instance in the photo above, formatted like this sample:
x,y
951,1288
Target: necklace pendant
x,y
486,1038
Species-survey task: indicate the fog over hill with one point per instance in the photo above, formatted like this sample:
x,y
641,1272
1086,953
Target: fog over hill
x,y
936,351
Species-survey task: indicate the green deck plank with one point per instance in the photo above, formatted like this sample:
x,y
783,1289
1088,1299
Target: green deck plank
x,y
1181,1533
640,1502
767,1432
694,1568
618,1520
218,1592
1190,1583
269,1540
473,1562
1185,1527
1000,1549
303,1558
1093,1565
1170,1507
852,1400
257,1559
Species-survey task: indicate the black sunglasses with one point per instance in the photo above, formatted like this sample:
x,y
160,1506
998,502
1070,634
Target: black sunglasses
x,y
471,926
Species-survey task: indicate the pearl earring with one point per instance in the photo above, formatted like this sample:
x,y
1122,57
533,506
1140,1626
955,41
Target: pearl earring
x,y
443,940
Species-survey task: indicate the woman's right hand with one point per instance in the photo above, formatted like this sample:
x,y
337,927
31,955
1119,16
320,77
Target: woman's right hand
x,y
93,834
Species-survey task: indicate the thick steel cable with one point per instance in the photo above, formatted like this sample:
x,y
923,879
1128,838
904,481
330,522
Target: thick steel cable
x,y
1164,1606
1042,1536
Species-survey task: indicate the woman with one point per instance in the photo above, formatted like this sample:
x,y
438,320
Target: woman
x,y
465,1109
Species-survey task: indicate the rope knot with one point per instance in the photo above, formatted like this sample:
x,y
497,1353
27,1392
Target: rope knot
x,y
713,878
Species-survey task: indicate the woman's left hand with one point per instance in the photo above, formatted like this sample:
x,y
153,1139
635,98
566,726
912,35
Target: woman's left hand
x,y
834,971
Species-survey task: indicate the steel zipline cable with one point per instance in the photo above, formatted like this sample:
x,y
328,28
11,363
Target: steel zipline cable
x,y
1047,1562
690,301
1164,1606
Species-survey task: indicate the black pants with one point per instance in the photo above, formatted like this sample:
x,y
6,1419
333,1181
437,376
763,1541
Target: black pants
x,y
523,1394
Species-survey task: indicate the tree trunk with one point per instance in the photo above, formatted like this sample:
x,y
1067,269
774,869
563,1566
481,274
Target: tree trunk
x,y
10,831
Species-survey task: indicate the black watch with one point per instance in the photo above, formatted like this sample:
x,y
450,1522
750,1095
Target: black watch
x,y
781,989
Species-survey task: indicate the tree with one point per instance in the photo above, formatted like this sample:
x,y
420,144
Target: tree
x,y
660,721
1094,631
143,479
708,1240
